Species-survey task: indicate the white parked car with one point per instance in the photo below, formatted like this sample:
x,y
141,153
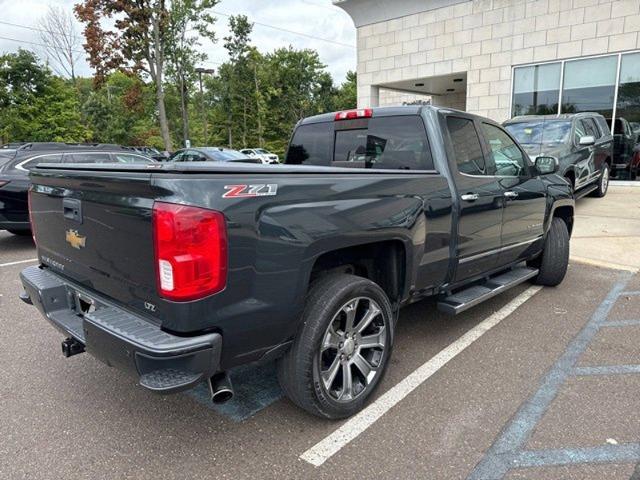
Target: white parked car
x,y
262,154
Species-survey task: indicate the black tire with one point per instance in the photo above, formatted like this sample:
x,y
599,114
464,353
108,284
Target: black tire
x,y
299,371
22,233
554,260
603,182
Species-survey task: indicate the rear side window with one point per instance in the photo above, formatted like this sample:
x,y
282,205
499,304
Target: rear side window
x,y
30,164
395,143
466,146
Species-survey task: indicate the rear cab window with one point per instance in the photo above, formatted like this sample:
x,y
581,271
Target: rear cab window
x,y
393,142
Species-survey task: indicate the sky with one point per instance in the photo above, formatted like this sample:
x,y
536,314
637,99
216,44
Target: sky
x,y
315,18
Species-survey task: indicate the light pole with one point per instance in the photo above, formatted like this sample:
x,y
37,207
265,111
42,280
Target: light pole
x,y
200,71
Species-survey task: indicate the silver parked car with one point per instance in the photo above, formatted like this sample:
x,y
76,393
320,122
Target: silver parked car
x,y
262,154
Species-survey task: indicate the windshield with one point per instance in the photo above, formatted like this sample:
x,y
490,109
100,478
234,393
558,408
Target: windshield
x,y
541,132
224,155
261,150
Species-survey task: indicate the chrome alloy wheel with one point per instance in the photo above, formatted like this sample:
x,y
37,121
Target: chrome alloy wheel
x,y
353,349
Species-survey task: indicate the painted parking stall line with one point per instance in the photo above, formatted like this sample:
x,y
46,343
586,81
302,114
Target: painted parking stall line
x,y
18,262
352,428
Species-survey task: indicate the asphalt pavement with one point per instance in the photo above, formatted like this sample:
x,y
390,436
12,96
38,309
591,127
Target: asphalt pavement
x,y
530,385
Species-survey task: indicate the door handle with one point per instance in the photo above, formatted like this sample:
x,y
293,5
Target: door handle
x,y
470,197
511,194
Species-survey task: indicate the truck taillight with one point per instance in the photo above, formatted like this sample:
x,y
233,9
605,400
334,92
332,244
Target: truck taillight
x,y
30,203
190,251
353,114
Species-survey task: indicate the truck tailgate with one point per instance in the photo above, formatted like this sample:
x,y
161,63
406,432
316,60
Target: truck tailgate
x,y
96,228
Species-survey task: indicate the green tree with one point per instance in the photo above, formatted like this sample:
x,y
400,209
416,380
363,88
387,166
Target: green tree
x,y
121,111
346,96
35,105
142,36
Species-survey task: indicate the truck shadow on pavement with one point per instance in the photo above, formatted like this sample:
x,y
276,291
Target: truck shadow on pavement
x,y
16,244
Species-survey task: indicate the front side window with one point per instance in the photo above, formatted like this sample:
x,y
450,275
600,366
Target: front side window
x,y
590,128
507,157
536,89
129,158
579,132
466,146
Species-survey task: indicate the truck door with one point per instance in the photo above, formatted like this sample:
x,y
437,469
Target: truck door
x,y
480,200
524,196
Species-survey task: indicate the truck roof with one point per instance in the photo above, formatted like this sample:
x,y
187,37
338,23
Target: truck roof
x,y
379,112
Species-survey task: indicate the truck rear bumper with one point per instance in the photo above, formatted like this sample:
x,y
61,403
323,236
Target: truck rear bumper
x,y
163,362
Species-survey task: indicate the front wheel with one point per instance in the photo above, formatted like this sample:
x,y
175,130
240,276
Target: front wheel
x,y
554,260
603,182
342,349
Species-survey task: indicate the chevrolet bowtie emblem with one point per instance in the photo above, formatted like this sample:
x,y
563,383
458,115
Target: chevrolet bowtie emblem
x,y
76,240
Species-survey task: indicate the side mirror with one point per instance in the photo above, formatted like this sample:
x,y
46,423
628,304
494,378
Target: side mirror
x,y
587,141
547,165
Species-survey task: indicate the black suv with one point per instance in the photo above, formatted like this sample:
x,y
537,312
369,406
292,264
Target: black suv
x,y
581,142
14,174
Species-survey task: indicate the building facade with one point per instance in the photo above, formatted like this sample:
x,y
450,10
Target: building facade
x,y
500,58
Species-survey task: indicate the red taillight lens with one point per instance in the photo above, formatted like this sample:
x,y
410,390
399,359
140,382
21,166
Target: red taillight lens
x,y
352,114
191,251
33,225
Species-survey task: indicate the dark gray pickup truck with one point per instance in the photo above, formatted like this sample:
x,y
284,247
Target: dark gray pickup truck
x,y
179,272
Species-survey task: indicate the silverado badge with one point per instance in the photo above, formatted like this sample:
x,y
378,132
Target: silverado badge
x,y
76,240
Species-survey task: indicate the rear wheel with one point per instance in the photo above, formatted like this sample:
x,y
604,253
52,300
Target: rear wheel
x,y
554,260
603,182
342,350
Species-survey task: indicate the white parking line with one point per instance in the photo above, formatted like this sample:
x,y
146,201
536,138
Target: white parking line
x,y
30,260
329,446
604,264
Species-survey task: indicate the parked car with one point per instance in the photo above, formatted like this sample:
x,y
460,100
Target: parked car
x,y
262,154
624,141
15,182
212,154
190,269
582,143
150,152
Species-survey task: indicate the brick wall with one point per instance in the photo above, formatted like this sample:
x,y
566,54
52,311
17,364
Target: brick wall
x,y
486,38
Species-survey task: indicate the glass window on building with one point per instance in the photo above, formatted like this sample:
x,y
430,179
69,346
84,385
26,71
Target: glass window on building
x,y
536,89
589,85
628,106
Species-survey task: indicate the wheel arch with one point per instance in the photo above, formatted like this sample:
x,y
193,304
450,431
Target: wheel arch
x,y
563,209
383,262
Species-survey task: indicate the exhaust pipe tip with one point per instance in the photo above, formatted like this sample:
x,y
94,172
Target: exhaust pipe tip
x,y
220,388
222,396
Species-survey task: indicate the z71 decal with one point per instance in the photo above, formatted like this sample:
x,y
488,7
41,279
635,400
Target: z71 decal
x,y
243,191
